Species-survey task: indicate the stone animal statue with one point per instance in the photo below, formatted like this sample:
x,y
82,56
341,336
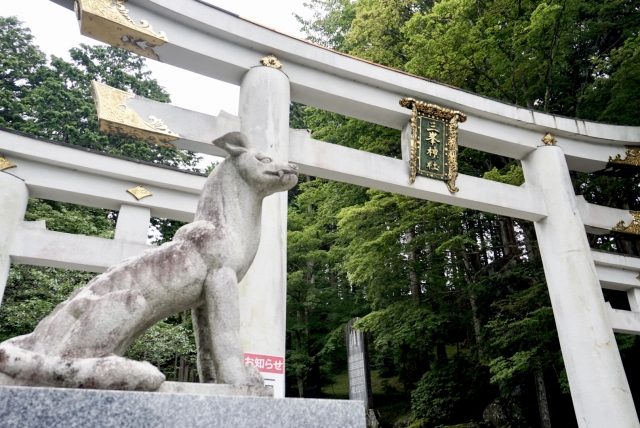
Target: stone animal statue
x,y
81,343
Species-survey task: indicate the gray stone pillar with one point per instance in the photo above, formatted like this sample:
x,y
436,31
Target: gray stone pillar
x,y
14,197
599,387
264,111
358,363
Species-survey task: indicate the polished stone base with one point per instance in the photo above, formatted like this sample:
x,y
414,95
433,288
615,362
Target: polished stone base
x,y
54,407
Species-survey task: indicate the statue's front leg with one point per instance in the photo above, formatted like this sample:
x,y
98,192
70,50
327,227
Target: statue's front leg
x,y
221,299
202,332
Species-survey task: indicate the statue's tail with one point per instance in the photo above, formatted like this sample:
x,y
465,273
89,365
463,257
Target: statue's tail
x,y
27,368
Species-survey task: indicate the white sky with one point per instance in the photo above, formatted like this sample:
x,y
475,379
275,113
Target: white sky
x,y
56,31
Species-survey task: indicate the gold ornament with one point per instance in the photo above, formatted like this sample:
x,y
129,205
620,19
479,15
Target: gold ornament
x,y
6,163
271,61
451,118
632,157
115,117
633,227
139,192
548,139
108,21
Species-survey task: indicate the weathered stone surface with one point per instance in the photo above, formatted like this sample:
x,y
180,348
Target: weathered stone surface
x,y
358,359
74,408
215,389
79,345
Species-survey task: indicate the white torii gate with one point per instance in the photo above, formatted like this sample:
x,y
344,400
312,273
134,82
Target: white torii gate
x,y
204,39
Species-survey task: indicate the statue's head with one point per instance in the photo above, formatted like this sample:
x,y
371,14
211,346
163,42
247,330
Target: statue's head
x,y
264,173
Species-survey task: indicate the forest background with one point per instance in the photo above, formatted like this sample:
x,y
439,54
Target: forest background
x,y
454,301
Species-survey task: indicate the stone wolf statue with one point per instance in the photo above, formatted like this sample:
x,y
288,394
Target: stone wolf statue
x,y
80,344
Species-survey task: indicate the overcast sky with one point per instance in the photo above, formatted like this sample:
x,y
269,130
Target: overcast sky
x,y
56,31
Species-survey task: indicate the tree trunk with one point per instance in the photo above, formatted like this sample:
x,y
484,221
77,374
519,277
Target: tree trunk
x,y
476,322
187,372
543,405
175,368
332,278
513,239
299,374
529,237
181,375
552,49
413,277
441,348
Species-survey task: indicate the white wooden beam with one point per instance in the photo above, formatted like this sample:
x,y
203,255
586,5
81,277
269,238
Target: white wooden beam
x,y
196,130
347,165
76,175
34,245
600,220
616,271
71,174
604,258
613,278
626,322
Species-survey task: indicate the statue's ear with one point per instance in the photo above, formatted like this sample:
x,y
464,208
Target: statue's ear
x,y
234,143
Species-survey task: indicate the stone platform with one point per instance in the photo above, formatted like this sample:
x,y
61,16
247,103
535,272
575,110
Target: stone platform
x,y
214,389
74,408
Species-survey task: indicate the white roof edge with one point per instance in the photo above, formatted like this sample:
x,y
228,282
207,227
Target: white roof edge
x,y
287,47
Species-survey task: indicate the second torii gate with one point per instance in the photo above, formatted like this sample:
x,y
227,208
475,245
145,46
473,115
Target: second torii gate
x,y
201,38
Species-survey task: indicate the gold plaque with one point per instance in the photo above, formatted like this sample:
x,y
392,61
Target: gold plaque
x,y
139,192
434,142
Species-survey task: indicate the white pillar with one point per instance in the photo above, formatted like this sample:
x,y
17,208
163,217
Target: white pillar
x,y
133,224
14,197
599,387
634,299
264,111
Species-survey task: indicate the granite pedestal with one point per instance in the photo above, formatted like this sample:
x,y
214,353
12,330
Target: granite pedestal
x,y
72,408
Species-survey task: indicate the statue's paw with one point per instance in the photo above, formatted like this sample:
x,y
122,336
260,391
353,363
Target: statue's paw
x,y
253,376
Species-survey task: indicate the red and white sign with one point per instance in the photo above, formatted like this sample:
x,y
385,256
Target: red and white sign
x,y
265,363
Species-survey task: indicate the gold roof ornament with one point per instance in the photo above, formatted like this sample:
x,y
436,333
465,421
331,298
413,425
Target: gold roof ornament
x,y
633,227
117,118
271,61
434,142
139,192
632,157
548,139
6,163
108,21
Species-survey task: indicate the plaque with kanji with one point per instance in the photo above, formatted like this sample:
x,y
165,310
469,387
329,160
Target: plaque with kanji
x,y
434,142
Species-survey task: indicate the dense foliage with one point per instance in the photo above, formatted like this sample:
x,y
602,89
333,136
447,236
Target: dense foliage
x,y
454,301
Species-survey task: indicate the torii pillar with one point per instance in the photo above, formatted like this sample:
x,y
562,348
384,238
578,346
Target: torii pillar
x,y
599,387
14,197
264,112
